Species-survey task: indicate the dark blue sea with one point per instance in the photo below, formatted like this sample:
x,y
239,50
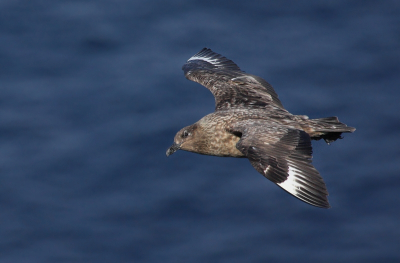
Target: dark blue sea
x,y
92,94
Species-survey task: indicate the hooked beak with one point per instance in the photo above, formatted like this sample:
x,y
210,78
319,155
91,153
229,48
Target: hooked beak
x,y
173,149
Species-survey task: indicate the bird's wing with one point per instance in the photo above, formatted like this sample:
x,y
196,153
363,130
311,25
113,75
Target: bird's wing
x,y
283,156
231,87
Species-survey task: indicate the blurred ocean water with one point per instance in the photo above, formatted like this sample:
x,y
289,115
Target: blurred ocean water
x,y
92,93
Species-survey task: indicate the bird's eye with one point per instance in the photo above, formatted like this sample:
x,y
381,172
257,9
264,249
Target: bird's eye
x,y
185,134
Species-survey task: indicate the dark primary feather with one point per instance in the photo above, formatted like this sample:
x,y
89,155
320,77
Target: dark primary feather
x,y
283,156
231,87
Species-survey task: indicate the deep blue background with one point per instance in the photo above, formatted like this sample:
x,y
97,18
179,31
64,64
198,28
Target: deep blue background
x,y
92,93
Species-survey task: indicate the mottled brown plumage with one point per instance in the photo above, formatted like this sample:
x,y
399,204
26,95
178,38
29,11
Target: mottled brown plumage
x,y
250,121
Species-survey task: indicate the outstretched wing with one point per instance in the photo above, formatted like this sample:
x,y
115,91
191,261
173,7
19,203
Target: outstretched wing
x,y
231,87
283,156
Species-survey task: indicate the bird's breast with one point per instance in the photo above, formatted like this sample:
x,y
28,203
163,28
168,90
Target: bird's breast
x,y
219,142
223,144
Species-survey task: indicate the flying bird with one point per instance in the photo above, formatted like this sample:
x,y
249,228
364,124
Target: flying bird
x,y
250,122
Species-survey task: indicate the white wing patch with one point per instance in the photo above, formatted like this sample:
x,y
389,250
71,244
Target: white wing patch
x,y
266,169
213,61
206,58
290,183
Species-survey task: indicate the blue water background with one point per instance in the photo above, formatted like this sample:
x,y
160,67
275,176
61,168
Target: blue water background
x,y
92,93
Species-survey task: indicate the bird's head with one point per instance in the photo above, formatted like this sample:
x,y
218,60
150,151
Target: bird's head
x,y
188,139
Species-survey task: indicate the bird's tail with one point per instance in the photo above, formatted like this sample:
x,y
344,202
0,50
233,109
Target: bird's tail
x,y
330,129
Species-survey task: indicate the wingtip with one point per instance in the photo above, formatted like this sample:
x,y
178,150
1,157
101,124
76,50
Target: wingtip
x,y
320,201
324,205
206,58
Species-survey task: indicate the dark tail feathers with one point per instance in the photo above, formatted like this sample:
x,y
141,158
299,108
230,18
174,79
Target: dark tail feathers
x,y
330,129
